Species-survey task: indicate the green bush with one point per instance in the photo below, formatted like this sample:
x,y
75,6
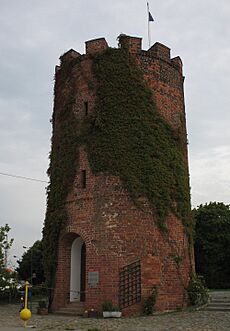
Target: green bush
x,y
149,304
107,306
197,291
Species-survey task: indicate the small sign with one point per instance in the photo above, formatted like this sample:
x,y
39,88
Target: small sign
x,y
93,278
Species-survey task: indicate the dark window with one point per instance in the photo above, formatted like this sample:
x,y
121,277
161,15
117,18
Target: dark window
x,y
86,108
83,178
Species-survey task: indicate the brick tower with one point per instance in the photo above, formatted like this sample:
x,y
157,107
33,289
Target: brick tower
x,y
109,245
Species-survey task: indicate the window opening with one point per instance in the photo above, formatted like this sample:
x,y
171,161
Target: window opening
x,y
83,178
86,108
130,284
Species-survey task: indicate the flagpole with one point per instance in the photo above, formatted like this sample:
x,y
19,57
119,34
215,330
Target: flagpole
x,y
148,24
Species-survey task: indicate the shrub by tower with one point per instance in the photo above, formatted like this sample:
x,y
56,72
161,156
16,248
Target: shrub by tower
x,y
118,224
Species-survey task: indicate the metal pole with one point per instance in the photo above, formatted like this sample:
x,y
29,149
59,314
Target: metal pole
x,y
149,37
31,277
26,301
31,266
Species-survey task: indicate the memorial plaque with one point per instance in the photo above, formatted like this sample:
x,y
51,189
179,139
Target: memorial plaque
x,y
93,278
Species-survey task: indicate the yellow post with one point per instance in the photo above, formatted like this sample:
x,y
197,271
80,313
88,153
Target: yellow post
x,y
26,302
26,295
25,314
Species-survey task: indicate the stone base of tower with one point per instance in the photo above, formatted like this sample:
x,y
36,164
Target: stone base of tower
x,y
126,276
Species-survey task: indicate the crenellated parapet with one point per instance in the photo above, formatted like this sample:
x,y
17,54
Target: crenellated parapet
x,y
163,74
134,47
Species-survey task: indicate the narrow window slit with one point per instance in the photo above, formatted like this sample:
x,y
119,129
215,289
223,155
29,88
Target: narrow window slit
x,y
83,178
86,108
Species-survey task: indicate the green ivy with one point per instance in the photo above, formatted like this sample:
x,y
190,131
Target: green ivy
x,y
63,164
197,291
128,137
149,303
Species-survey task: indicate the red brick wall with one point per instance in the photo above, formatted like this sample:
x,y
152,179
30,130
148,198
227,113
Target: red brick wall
x,y
96,46
115,232
133,43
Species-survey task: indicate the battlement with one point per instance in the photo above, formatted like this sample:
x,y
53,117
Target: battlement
x,y
177,63
160,51
98,45
71,54
133,45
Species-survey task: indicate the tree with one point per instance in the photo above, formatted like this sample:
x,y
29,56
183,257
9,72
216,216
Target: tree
x,y
7,277
5,244
32,264
212,243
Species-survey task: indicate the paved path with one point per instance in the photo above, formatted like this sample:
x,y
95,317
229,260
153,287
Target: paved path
x,y
178,321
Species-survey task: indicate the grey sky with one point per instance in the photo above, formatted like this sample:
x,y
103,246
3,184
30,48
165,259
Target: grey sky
x,y
34,33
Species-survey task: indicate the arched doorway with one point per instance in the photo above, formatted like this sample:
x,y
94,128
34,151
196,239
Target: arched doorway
x,y
77,275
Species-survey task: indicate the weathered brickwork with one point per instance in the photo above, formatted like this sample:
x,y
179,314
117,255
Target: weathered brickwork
x,y
115,232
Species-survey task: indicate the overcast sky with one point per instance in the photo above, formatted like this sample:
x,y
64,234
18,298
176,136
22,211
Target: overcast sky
x,y
34,33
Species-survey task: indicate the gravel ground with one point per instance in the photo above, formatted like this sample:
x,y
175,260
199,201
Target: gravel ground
x,y
177,321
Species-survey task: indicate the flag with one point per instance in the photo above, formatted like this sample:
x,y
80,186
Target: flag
x,y
150,17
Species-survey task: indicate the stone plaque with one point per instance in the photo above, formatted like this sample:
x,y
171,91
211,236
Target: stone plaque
x,y
93,278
